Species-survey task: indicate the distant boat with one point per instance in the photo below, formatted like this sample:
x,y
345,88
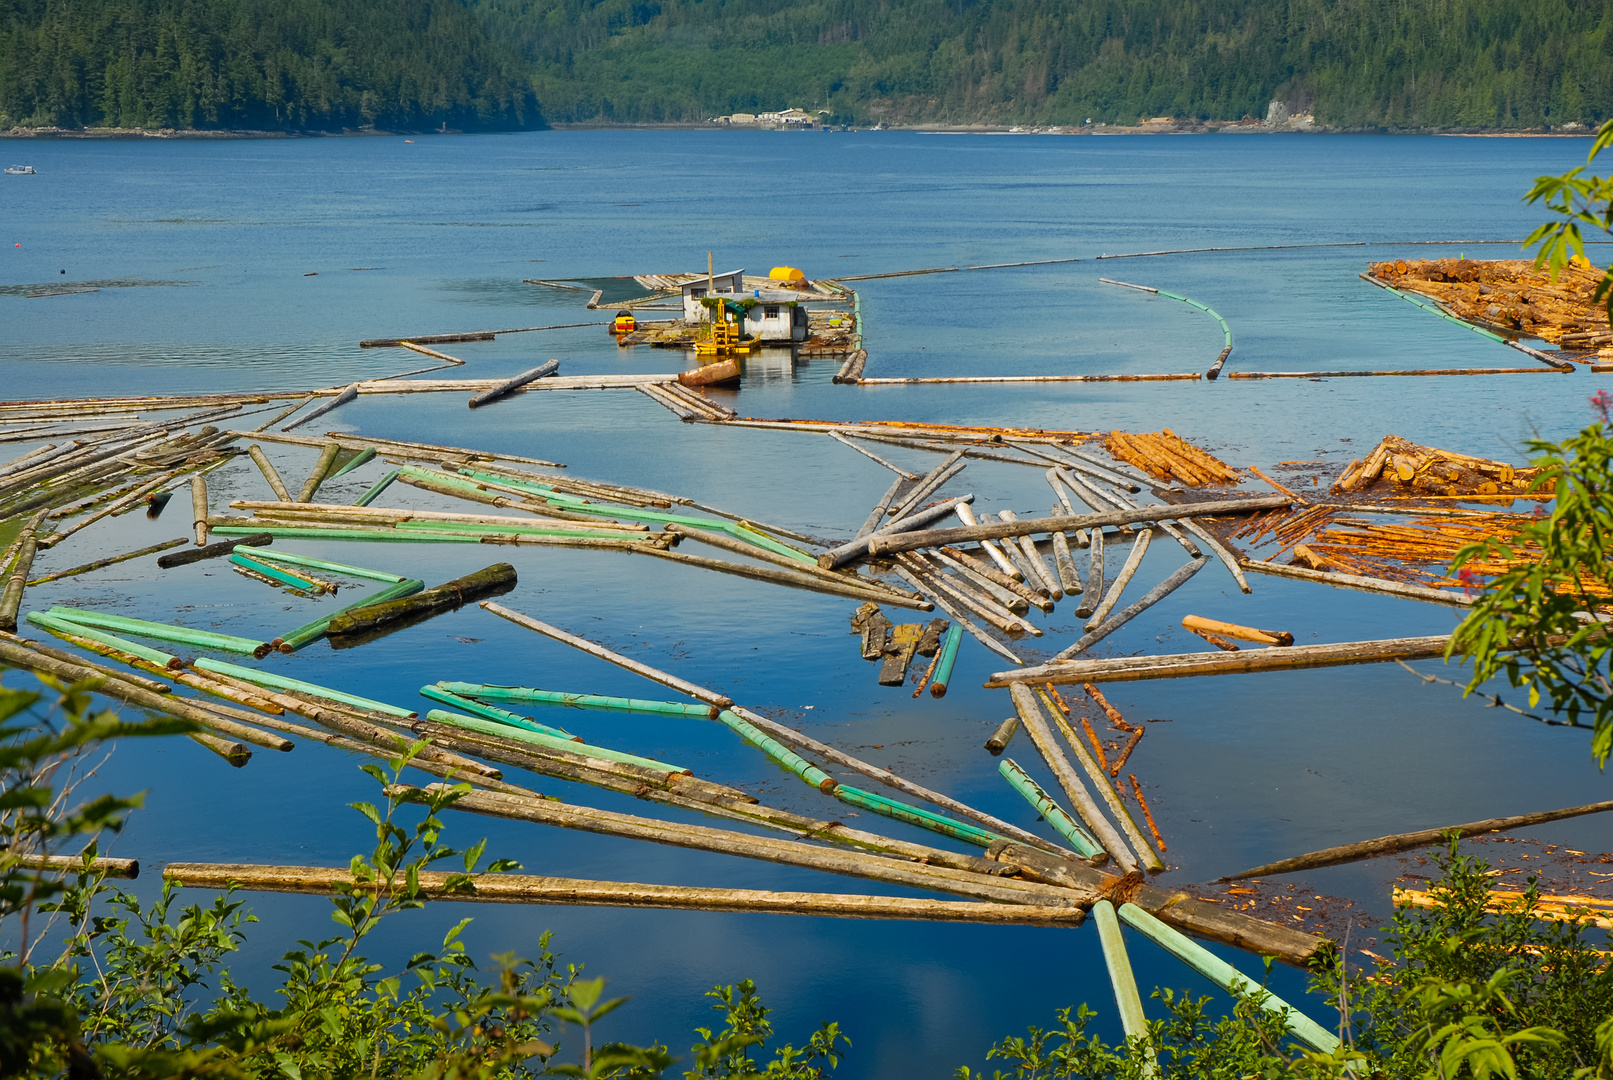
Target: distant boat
x,y
21,170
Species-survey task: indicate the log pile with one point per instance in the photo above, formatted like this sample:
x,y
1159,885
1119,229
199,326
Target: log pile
x,y
1400,466
1170,457
1511,296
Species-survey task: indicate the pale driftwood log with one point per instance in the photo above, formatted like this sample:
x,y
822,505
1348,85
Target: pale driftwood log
x,y
1092,596
198,508
931,481
797,580
1139,843
577,892
1389,845
960,618
1187,665
935,582
1014,585
966,515
751,551
121,689
26,546
509,386
897,469
265,466
854,549
874,867
688,689
233,752
999,738
1008,598
1069,578
877,517
1356,581
377,514
400,448
1121,618
128,869
1034,562
1036,726
1220,550
342,398
1134,559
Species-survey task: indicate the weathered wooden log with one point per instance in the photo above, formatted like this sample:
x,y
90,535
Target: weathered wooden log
x,y
265,466
327,458
928,484
212,551
198,509
714,374
1000,738
69,658
877,517
232,752
1092,595
576,892
1220,551
120,689
503,389
1069,577
769,849
1121,618
860,546
349,394
185,635
960,618
1037,567
1036,726
1389,845
933,582
128,869
312,631
27,546
1128,1002
997,555
1146,855
103,643
1187,665
799,579
897,469
1013,601
699,693
989,573
752,551
1134,560
1357,581
489,581
1242,633
875,632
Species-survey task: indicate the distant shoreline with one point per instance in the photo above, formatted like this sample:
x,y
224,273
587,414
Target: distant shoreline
x,y
1214,127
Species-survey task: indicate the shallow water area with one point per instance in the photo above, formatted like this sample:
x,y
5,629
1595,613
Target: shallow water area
x,y
437,236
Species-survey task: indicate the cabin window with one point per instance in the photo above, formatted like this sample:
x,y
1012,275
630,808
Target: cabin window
x,y
771,312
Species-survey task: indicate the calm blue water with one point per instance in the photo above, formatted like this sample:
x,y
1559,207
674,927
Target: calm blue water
x,y
220,237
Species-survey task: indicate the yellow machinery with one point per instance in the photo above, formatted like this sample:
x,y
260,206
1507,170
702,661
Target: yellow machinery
x,y
624,324
727,333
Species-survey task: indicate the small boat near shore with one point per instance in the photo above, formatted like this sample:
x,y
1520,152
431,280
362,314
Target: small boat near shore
x,y
21,170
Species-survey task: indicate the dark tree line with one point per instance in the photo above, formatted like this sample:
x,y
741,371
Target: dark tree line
x,y
258,64
476,64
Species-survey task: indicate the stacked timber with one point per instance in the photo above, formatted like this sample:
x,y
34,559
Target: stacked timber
x,y
1170,457
1401,466
1510,295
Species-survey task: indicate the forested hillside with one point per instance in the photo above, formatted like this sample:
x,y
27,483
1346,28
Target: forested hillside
x,y
258,64
412,64
1398,63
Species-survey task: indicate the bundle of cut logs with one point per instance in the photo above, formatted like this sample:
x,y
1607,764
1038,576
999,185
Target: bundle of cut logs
x,y
1170,457
1511,295
1400,465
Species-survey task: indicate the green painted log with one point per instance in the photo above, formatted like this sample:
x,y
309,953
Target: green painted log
x,y
948,657
327,458
489,581
913,815
521,734
780,753
1127,1000
379,486
738,531
184,635
374,535
313,631
363,457
268,571
493,712
281,682
1050,811
527,696
1227,977
333,567
62,626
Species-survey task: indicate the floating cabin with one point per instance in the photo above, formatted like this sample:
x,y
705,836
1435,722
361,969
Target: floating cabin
x,y
773,315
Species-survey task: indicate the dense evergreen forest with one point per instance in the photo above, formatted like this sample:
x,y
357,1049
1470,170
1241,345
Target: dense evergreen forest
x,y
258,64
470,64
